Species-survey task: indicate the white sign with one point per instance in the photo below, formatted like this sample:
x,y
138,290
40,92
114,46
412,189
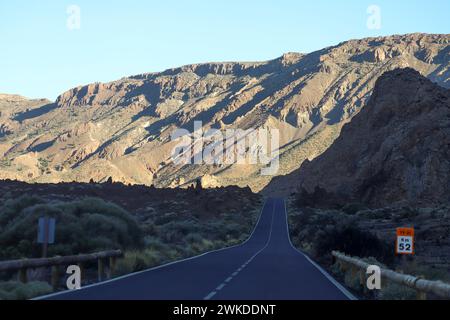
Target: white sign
x,y
405,241
405,245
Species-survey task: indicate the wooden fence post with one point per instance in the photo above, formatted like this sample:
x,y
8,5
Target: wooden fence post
x,y
55,277
353,273
101,269
344,266
81,266
362,278
421,295
112,266
363,281
23,277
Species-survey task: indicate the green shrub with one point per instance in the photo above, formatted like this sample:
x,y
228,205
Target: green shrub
x,y
82,226
353,208
13,290
354,242
134,261
13,207
392,291
194,238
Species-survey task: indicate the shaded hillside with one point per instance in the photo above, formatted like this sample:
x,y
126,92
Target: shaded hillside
x,y
396,150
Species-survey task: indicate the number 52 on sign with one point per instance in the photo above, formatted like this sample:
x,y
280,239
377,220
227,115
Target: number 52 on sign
x,y
405,241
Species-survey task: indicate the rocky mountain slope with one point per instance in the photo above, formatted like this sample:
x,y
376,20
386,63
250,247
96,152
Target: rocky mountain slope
x,y
396,150
122,129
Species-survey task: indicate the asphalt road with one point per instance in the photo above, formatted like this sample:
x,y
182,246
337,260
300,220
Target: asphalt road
x,y
265,267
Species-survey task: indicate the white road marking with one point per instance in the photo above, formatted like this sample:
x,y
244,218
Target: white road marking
x,y
326,274
221,287
212,294
51,295
209,296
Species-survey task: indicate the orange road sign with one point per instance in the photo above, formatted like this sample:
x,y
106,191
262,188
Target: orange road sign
x,y
404,243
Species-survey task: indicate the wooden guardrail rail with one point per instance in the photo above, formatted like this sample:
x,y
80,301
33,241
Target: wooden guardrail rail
x,y
422,286
23,265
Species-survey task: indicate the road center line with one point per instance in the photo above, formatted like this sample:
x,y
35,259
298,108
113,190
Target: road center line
x,y
209,296
220,287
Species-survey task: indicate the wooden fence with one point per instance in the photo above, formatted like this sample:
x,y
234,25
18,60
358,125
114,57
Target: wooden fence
x,y
421,286
55,263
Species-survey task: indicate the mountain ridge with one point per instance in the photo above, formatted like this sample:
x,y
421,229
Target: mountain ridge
x,y
121,129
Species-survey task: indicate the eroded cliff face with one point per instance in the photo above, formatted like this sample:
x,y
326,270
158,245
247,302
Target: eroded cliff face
x,y
396,150
122,129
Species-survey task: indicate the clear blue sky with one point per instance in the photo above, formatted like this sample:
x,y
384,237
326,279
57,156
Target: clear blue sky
x,y
41,57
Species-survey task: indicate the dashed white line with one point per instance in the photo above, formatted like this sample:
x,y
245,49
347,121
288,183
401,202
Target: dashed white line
x,y
158,267
220,287
209,296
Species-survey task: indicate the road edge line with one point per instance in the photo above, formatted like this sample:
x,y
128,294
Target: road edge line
x,y
347,293
51,295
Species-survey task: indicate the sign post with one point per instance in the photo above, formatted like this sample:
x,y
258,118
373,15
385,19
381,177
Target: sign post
x,y
404,243
46,233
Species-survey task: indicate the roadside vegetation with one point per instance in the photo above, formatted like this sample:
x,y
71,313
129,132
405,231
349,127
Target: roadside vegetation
x,y
368,233
170,238
149,236
83,226
14,290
